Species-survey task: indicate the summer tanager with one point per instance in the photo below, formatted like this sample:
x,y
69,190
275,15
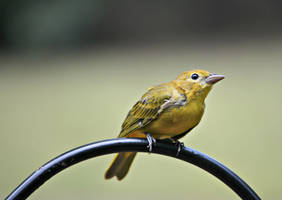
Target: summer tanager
x,y
169,110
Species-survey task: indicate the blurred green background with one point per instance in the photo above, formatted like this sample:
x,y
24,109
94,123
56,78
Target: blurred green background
x,y
70,71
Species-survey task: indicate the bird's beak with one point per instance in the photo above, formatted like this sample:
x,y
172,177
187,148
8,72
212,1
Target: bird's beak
x,y
213,78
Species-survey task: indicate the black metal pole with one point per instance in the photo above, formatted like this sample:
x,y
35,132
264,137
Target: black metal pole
x,y
95,149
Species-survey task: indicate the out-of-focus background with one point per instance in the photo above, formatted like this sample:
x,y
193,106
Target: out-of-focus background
x,y
71,70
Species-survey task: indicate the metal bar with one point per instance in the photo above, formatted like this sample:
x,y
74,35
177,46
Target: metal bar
x,y
40,176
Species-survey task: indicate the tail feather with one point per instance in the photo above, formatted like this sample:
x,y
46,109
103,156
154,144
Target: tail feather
x,y
120,165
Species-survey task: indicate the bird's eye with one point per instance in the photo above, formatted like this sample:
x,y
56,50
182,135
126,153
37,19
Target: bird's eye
x,y
194,76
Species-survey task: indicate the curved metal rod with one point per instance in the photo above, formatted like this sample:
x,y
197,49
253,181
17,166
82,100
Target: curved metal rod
x,y
95,149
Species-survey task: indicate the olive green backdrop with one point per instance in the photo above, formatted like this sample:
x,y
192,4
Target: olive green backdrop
x,y
55,96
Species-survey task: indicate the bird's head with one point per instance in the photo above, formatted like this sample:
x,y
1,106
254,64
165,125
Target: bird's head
x,y
197,82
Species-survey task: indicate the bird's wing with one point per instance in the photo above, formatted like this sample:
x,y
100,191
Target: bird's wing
x,y
150,106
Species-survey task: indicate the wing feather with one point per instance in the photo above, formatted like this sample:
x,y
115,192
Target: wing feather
x,y
148,108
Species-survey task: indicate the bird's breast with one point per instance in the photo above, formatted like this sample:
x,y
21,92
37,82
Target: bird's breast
x,y
174,121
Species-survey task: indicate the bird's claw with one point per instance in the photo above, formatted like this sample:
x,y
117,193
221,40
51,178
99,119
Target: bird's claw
x,y
180,146
176,143
152,141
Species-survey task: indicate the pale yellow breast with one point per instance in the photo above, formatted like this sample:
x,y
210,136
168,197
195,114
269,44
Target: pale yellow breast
x,y
176,120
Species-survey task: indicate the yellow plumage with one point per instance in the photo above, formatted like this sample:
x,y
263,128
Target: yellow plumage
x,y
169,110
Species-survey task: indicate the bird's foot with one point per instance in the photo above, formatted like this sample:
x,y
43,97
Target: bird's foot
x,y
180,146
152,141
176,143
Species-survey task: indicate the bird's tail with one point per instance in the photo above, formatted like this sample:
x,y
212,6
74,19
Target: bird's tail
x,y
120,165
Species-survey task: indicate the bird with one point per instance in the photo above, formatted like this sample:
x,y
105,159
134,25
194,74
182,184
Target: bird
x,y
166,111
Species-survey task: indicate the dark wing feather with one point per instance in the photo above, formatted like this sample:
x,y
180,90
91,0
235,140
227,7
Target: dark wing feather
x,y
146,109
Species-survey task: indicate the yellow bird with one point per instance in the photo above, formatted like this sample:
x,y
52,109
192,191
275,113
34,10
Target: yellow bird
x,y
169,110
